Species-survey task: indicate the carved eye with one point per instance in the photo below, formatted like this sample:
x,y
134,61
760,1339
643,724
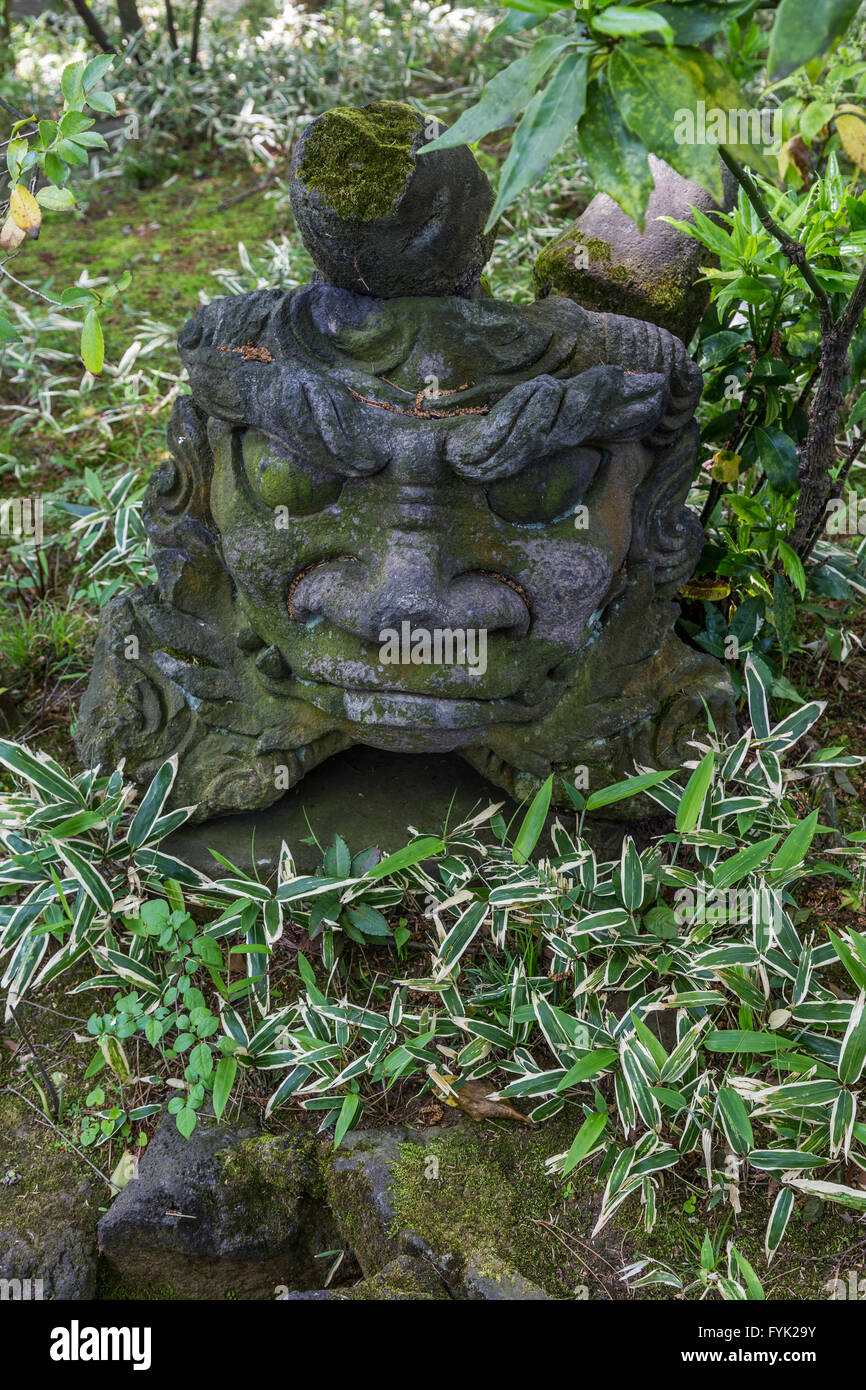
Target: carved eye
x,y
282,481
545,491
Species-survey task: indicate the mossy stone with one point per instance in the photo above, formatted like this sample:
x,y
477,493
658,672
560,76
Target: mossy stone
x,y
360,159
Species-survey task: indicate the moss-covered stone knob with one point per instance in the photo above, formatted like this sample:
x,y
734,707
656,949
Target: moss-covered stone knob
x,y
380,220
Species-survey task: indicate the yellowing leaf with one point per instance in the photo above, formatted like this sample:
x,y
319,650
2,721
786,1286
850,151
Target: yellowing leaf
x,y
11,236
24,210
726,466
852,133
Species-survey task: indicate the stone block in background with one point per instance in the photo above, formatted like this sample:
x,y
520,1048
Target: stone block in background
x,y
604,262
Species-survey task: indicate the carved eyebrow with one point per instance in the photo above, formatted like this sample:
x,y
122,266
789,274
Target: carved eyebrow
x,y
544,415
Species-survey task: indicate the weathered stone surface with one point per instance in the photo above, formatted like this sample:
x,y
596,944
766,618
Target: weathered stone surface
x,y
404,1280
379,220
48,1211
229,1211
603,261
352,465
385,1186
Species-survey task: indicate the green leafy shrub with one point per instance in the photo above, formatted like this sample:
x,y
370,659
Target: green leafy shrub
x,y
666,999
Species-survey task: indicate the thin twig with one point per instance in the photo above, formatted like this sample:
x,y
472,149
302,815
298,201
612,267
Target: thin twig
x,y
55,1099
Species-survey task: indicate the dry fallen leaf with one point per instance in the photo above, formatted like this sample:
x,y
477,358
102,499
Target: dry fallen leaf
x,y
475,1100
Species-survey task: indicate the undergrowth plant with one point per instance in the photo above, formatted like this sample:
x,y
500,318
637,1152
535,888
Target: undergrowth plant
x,y
670,1001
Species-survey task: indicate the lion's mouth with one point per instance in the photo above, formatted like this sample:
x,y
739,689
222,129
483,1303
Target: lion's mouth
x,y
397,709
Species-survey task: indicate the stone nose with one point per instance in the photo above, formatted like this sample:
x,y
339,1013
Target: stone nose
x,y
406,587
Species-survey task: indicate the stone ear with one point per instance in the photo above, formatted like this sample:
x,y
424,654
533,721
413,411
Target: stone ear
x,y
604,262
176,511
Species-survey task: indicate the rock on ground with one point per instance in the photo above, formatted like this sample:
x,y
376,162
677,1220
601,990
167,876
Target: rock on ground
x,y
48,1211
227,1212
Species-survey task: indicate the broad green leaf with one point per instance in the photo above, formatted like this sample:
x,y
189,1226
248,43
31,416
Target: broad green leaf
x,y
803,29
853,1197
548,118
617,158
96,70
404,858
587,1067
504,97
853,1054
735,1121
757,695
742,1040
112,1051
780,1160
777,453
620,791
650,87
744,862
55,199
186,1120
622,20
855,968
793,567
585,1140
842,1122
461,935
754,1292
795,846
223,1082
92,344
346,1118
71,81
692,23
778,1222
152,803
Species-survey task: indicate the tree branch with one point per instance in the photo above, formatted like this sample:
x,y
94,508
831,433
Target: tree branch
x,y
792,250
93,26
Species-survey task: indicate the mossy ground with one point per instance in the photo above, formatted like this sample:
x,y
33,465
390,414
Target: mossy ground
x,y
360,160
494,1198
171,237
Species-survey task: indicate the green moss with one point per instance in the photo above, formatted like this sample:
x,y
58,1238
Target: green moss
x,y
348,1192
271,1171
491,1203
658,298
556,270
171,238
360,160
403,1280
494,1204
112,1287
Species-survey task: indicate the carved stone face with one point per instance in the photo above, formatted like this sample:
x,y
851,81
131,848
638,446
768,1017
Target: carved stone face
x,y
355,468
327,563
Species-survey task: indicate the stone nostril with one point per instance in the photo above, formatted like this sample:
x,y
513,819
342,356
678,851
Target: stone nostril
x,y
510,583
492,600
308,570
